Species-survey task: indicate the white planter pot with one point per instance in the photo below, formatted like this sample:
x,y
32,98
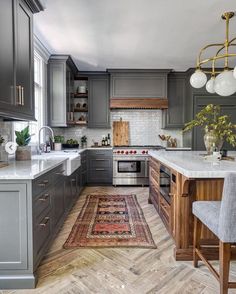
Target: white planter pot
x,y
57,146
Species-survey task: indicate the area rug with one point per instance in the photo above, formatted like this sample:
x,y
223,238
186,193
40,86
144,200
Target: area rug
x,y
110,221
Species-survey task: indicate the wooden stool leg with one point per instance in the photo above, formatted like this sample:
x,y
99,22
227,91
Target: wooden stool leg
x,y
224,257
196,240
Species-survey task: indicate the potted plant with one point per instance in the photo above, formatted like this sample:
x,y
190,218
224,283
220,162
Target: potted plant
x,y
23,151
218,128
58,140
83,141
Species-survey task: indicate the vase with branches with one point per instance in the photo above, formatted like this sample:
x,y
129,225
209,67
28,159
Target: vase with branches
x,y
218,128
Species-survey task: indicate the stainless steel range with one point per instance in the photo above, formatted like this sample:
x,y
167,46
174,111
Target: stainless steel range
x,y
130,165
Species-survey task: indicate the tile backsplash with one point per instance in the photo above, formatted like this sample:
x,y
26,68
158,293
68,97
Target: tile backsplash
x,y
145,125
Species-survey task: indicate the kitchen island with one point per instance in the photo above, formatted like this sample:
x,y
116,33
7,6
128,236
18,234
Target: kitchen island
x,y
177,178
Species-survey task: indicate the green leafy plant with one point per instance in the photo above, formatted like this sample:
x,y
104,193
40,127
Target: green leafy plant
x,y
23,137
210,119
83,139
1,140
58,139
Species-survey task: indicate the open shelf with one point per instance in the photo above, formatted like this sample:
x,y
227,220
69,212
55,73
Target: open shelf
x,y
77,123
80,109
80,95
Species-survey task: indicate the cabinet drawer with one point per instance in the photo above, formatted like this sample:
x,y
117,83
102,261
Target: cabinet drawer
x,y
95,163
154,177
165,212
42,233
58,173
100,175
106,153
42,202
154,164
42,183
154,196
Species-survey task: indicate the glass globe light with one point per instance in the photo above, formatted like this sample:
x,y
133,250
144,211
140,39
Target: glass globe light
x,y
225,83
198,79
210,85
234,72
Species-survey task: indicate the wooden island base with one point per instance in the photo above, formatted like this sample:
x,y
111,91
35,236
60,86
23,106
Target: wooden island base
x,y
177,212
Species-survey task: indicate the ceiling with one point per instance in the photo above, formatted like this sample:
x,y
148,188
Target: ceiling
x,y
102,34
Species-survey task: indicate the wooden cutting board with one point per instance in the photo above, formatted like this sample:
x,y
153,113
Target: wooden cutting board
x,y
120,133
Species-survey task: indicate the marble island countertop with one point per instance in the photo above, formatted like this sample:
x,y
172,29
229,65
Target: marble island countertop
x,y
193,165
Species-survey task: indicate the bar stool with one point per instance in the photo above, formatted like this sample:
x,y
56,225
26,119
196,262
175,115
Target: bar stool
x,y
220,218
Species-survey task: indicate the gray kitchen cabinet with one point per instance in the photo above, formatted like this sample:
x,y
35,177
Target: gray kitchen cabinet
x,y
61,72
98,101
174,116
135,83
228,106
31,213
99,167
16,57
83,169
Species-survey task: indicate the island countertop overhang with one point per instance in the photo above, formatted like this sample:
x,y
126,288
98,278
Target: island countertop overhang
x,y
192,164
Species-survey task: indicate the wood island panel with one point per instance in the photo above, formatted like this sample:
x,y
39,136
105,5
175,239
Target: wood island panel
x,y
184,191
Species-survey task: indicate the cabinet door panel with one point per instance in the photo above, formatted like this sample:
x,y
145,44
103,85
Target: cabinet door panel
x,y
58,202
228,106
13,227
24,64
6,55
98,103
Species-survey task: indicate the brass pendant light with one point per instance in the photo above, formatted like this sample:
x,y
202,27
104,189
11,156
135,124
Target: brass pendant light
x,y
221,82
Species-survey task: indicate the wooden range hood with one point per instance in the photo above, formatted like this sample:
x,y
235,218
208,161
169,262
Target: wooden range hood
x,y
138,88
138,103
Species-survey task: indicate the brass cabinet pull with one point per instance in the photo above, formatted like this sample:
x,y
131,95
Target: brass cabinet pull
x,y
46,219
171,194
18,95
100,169
100,159
44,198
73,180
43,183
22,96
60,173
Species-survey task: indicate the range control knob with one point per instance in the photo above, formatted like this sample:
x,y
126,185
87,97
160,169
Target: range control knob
x,y
131,152
126,152
146,151
118,152
143,152
135,151
122,152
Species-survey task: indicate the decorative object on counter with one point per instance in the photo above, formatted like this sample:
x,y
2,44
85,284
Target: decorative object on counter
x,y
108,140
58,140
218,128
3,153
82,90
224,84
23,151
84,142
164,139
99,224
71,143
120,133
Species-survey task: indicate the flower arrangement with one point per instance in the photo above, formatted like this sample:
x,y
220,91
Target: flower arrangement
x,y
211,120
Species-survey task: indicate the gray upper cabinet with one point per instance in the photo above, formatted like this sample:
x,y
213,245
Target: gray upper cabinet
x,y
138,83
98,101
61,71
16,58
174,116
228,106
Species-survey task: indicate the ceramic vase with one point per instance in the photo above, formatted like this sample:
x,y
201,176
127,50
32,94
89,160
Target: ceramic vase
x,y
23,153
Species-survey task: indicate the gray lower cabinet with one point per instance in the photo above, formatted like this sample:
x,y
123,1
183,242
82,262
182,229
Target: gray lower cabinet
x,y
98,101
83,169
61,72
99,167
31,213
174,116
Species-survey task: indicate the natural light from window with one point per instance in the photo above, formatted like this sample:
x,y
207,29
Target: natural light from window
x,y
39,93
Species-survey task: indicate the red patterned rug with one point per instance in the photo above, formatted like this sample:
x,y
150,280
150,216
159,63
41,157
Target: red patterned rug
x,y
110,221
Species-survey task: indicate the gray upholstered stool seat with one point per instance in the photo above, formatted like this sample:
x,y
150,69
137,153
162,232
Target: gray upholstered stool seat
x,y
220,218
208,212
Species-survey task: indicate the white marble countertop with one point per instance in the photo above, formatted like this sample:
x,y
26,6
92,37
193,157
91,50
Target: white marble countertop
x,y
29,169
193,165
40,164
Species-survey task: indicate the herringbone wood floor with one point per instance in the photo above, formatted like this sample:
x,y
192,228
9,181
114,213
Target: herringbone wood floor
x,y
126,271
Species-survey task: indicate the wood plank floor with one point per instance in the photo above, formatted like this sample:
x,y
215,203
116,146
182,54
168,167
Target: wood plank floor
x,y
126,271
